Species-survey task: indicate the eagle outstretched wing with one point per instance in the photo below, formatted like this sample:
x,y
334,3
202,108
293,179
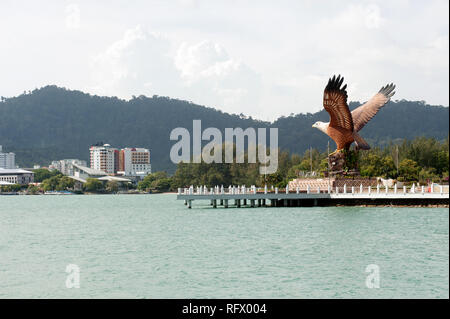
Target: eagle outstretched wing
x,y
335,103
365,112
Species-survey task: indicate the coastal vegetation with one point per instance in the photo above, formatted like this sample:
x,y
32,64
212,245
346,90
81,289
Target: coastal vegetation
x,y
155,182
42,174
419,160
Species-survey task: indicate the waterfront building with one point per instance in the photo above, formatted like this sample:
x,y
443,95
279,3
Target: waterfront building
x,y
65,166
135,162
83,172
104,158
121,181
16,176
7,160
130,161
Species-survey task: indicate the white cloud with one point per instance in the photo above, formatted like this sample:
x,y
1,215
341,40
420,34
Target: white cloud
x,y
72,16
142,63
357,16
214,78
138,63
202,60
266,60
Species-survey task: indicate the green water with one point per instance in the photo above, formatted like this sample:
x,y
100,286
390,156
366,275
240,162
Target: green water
x,y
152,246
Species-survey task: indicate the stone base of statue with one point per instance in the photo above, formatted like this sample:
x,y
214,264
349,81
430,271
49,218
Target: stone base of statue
x,y
343,162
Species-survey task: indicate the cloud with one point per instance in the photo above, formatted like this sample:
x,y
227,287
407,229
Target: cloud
x,y
265,61
360,41
138,63
207,67
142,62
370,48
357,16
202,60
72,16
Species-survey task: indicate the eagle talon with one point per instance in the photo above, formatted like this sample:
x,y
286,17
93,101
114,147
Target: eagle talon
x,y
334,153
331,154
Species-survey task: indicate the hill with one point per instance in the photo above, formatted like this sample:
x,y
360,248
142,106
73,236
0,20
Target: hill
x,y
55,123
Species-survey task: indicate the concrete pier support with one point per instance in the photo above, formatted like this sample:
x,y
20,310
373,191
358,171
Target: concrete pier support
x,y
238,203
190,203
252,203
226,203
215,203
244,202
221,202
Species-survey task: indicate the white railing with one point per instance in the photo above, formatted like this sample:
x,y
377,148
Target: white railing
x,y
243,190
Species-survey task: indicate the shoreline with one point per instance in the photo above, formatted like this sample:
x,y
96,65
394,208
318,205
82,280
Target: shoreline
x,y
87,193
392,205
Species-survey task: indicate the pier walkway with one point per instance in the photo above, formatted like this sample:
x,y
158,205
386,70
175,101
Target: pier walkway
x,y
241,196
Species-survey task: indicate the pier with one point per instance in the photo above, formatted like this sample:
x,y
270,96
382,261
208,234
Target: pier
x,y
242,196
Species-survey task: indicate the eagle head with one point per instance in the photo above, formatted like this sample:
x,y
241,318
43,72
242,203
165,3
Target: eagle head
x,y
321,126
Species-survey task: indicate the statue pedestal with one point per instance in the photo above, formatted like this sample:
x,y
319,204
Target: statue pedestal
x,y
343,162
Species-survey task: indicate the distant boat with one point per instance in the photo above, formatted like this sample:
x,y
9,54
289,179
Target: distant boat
x,y
58,193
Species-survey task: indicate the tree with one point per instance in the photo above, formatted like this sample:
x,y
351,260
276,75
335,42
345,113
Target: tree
x,y
275,179
388,168
377,162
10,188
41,174
93,185
65,183
112,186
32,189
161,185
51,184
147,181
409,170
215,178
370,165
427,175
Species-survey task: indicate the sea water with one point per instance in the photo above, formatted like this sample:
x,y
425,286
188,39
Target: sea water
x,y
152,246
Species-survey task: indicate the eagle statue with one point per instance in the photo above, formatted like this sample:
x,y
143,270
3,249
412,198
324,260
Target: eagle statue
x,y
344,126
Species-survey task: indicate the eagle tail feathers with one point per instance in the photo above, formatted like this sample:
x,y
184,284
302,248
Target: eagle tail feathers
x,y
360,142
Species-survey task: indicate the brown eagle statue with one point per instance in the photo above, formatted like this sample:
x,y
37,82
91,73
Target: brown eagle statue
x,y
344,125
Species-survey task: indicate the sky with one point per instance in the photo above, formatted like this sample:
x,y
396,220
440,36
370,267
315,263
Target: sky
x,y
260,58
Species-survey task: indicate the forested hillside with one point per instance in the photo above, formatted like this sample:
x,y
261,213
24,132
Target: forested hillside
x,y
55,123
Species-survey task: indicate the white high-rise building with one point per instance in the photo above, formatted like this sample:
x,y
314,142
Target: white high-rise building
x,y
7,160
135,162
105,158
